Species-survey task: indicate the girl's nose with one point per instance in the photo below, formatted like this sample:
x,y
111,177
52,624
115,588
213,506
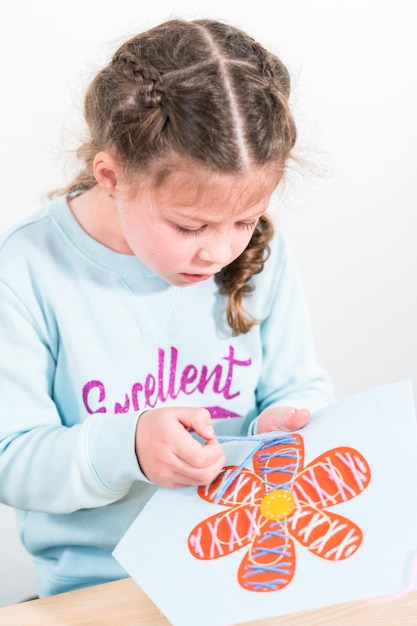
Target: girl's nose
x,y
216,249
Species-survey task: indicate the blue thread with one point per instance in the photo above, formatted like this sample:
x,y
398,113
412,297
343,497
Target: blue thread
x,y
265,586
281,568
233,438
289,453
278,550
258,552
233,475
266,442
280,534
267,438
288,469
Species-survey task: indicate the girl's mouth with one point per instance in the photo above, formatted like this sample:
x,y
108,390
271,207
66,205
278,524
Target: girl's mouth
x,y
196,278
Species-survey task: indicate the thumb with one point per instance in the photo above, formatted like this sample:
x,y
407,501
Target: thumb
x,y
198,420
295,420
282,418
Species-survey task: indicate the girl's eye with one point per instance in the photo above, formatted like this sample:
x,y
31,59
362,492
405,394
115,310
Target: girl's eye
x,y
199,231
189,231
247,225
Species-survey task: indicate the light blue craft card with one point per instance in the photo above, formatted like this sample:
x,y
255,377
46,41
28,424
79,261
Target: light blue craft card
x,y
295,521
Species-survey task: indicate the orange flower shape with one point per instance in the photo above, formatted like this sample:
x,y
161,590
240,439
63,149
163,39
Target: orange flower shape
x,y
281,501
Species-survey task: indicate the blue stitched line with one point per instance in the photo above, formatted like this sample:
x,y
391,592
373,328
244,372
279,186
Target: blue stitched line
x,y
237,471
289,469
265,443
233,438
273,584
282,568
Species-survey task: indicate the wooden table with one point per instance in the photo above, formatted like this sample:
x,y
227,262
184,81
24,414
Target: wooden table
x,y
123,603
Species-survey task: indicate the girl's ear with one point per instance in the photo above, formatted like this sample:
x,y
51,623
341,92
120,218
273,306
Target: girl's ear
x,y
107,172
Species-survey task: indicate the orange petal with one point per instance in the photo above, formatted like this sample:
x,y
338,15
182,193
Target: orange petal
x,y
269,564
225,532
279,460
230,489
333,477
326,534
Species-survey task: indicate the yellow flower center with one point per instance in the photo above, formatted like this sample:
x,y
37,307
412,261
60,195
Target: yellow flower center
x,y
277,504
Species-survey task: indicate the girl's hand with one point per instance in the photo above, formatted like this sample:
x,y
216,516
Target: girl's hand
x,y
282,418
169,455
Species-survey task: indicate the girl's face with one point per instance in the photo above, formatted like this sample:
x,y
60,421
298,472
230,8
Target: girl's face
x,y
195,222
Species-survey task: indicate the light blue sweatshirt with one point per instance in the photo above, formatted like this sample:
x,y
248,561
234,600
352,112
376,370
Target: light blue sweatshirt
x,y
89,339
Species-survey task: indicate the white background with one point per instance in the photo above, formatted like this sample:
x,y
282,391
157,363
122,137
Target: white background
x,y
349,213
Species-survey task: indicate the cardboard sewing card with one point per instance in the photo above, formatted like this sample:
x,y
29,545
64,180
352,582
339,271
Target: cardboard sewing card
x,y
294,521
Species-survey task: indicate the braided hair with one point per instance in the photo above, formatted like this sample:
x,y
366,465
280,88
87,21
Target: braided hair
x,y
204,91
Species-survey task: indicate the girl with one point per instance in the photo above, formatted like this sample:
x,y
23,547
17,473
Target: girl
x,y
150,307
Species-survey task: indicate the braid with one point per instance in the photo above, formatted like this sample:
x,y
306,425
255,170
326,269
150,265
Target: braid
x,y
136,118
235,279
147,79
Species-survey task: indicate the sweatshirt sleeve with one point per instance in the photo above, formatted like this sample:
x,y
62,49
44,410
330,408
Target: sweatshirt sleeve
x,y
291,375
44,465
